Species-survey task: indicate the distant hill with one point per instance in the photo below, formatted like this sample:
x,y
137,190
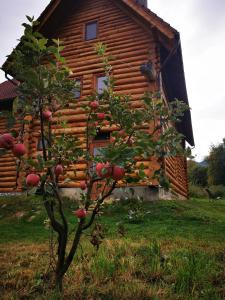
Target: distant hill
x,y
203,163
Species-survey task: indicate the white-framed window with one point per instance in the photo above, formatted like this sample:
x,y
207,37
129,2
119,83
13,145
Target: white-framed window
x,y
101,84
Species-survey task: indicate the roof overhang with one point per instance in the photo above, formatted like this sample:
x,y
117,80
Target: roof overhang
x,y
175,86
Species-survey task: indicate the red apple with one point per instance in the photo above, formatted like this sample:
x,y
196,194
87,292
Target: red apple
x,y
105,122
94,104
103,169
19,150
6,141
118,173
80,213
100,116
122,132
98,167
32,179
83,185
58,170
130,142
47,115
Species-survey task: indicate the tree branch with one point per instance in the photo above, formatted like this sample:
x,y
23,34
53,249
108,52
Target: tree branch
x,y
96,209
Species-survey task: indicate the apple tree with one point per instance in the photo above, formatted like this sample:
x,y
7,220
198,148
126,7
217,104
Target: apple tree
x,y
45,89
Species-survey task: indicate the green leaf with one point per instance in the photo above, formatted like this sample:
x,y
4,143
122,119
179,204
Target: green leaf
x,y
30,19
42,43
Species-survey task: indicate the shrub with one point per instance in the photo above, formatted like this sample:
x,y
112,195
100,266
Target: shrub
x,y
216,164
196,191
217,190
197,174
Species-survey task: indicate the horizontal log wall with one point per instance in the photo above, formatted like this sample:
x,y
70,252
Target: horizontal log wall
x,y
176,171
8,173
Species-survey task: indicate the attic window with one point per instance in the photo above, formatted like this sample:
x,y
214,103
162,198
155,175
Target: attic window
x,y
91,30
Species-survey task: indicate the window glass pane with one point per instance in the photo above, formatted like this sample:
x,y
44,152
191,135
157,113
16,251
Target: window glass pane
x,y
6,105
97,151
91,31
101,86
40,145
101,136
77,90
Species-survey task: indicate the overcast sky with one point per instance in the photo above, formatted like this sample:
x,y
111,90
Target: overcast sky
x,y
201,24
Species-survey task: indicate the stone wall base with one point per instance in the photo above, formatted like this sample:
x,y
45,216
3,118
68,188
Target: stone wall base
x,y
147,193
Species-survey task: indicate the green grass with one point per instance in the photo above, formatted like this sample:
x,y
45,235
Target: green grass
x,y
172,250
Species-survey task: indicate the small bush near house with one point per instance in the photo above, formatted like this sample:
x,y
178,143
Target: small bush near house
x,y
196,191
217,190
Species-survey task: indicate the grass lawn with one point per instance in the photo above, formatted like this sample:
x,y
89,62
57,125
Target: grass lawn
x,y
169,250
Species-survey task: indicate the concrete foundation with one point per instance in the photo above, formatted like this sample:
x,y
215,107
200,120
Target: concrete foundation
x,y
147,193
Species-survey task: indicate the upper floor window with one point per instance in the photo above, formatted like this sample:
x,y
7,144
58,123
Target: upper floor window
x,y
91,29
101,84
77,91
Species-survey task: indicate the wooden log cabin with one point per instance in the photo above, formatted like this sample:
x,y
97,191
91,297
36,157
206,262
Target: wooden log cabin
x,y
139,40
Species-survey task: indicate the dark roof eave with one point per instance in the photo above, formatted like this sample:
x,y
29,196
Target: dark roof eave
x,y
175,86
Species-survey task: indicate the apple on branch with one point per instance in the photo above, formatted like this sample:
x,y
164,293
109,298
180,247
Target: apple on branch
x,y
19,150
94,104
80,213
6,141
47,115
103,170
101,116
83,185
58,170
118,173
32,180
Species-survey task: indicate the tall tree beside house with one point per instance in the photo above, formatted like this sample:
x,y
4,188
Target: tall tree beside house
x,y
216,164
197,174
45,86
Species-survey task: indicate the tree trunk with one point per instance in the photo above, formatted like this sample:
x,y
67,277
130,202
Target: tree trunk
x,y
59,283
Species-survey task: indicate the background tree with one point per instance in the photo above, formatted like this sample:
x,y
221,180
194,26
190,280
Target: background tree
x,y
216,164
197,174
45,86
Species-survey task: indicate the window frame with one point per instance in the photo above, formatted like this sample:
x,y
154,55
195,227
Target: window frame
x,y
96,76
85,30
